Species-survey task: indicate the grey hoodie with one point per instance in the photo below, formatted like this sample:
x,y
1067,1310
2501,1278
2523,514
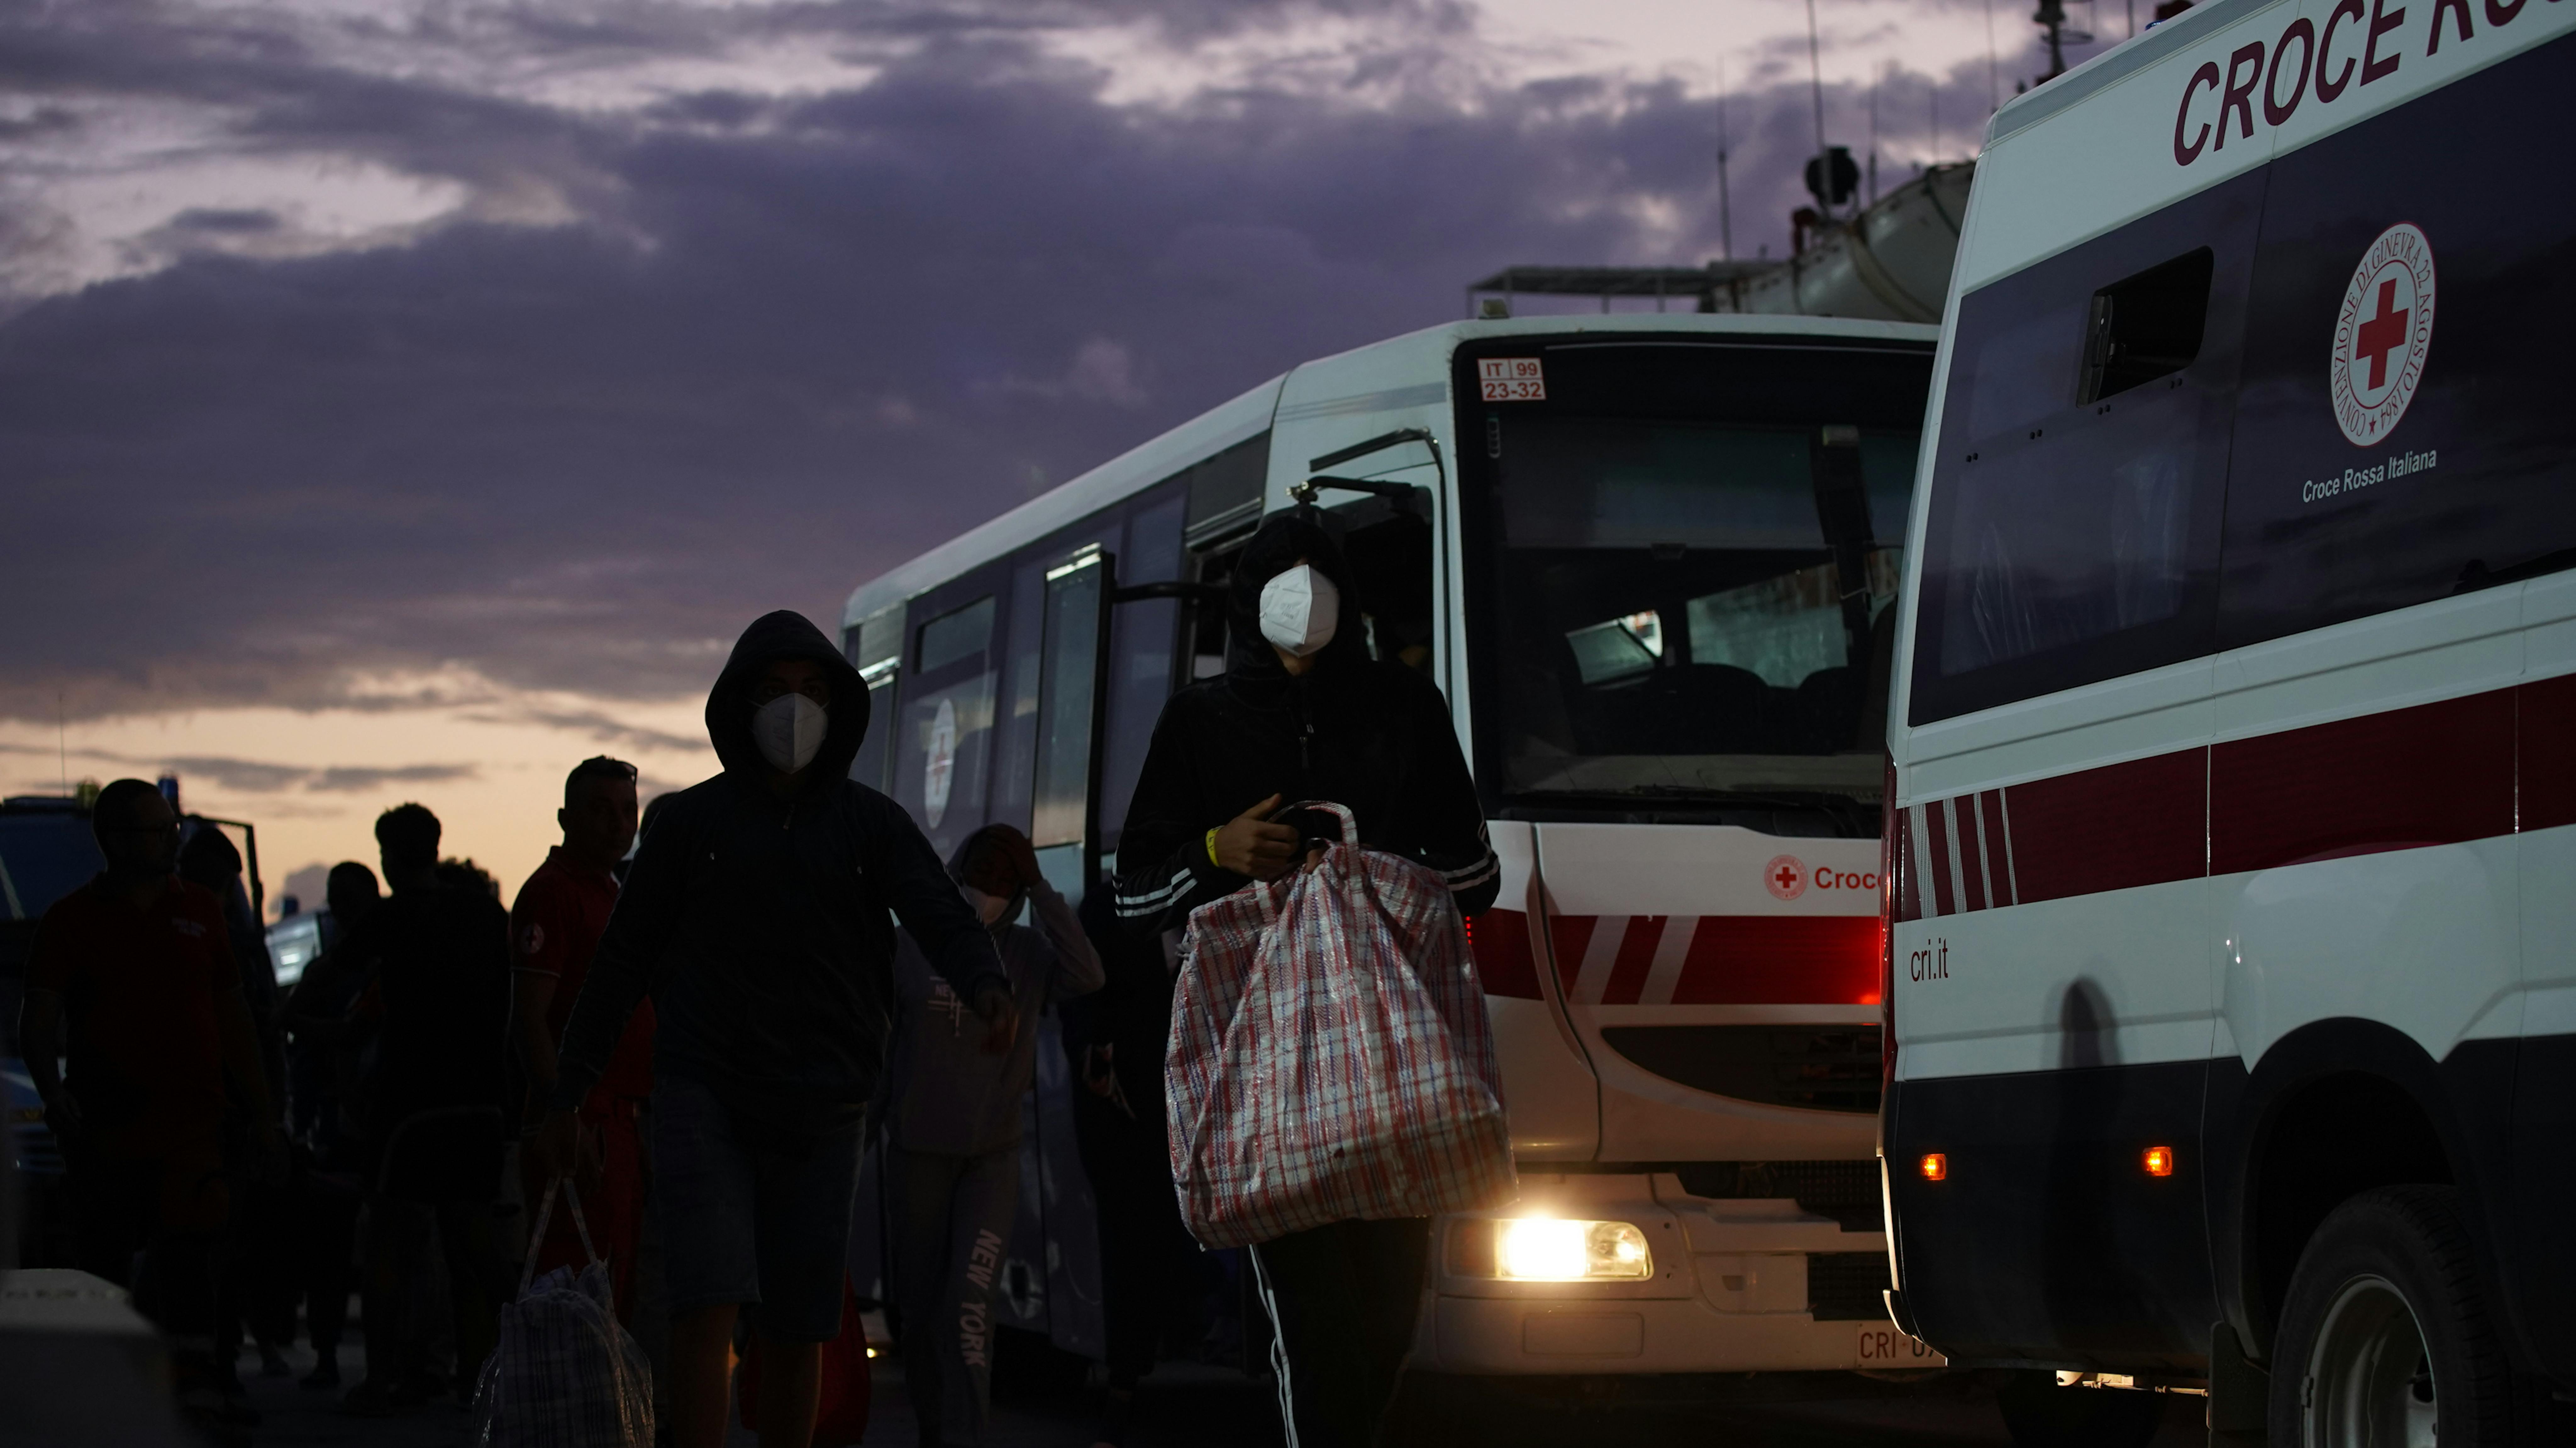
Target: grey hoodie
x,y
945,1092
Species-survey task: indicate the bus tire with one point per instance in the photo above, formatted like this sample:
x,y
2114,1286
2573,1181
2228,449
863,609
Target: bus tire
x,y
2386,1337
2040,1414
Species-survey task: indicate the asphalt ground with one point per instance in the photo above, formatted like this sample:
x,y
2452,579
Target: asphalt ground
x,y
1187,1405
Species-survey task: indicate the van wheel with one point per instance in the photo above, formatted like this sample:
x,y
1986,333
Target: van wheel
x,y
2040,1414
2385,1339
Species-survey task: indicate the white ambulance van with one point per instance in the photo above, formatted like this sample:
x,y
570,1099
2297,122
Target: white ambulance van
x,y
2232,947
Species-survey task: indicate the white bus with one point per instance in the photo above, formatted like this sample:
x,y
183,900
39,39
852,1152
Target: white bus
x,y
2233,947
1651,562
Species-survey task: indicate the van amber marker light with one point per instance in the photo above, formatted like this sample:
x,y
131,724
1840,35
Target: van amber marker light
x,y
2158,1161
1935,1167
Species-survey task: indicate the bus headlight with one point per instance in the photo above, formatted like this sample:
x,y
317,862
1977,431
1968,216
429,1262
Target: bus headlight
x,y
1549,1249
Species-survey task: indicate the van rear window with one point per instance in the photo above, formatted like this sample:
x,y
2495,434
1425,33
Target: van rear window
x,y
2073,534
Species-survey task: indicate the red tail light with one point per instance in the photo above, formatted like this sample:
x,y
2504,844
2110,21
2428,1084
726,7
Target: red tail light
x,y
1891,858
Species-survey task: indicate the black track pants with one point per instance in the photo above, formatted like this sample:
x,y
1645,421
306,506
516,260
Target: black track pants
x,y
1343,1298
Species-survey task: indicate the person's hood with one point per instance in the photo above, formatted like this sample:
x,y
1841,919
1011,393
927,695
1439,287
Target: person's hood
x,y
957,859
1282,539
785,634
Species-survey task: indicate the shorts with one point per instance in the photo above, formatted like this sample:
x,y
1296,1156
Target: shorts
x,y
744,1223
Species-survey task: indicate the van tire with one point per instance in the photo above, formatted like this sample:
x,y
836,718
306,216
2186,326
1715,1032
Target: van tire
x,y
2385,1334
2040,1414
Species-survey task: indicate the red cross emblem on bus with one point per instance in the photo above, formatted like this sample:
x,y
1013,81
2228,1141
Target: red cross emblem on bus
x,y
1785,877
2382,335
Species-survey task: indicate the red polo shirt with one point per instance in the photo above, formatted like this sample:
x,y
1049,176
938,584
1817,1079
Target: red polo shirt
x,y
555,927
141,988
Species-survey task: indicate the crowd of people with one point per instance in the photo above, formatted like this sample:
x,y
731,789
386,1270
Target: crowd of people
x,y
701,1030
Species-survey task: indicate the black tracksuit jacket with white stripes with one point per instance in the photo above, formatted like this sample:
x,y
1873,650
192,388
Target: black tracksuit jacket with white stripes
x,y
1374,737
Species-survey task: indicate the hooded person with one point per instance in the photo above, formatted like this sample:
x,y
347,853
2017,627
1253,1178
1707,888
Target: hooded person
x,y
952,1112
1304,713
757,912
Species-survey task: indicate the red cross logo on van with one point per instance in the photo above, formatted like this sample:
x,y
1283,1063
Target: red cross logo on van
x,y
1785,877
2383,335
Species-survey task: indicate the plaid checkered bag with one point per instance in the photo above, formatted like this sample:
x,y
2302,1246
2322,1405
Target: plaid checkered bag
x,y
565,1374
1330,1057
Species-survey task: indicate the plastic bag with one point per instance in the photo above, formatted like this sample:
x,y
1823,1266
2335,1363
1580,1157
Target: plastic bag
x,y
565,1374
1330,1055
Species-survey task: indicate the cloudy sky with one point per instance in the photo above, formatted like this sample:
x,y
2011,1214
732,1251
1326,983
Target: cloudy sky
x,y
405,398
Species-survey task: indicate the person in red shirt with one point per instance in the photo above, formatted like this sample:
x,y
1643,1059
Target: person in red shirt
x,y
132,979
554,927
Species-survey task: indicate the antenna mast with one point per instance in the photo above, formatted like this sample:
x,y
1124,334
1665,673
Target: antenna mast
x,y
1725,212
1816,88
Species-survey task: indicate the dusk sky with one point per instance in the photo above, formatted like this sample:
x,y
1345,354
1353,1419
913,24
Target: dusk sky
x,y
402,399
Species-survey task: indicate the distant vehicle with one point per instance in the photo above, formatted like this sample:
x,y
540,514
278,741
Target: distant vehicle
x,y
1649,560
295,941
46,852
2232,960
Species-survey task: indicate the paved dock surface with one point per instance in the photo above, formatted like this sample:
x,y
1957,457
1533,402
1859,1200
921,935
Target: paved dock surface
x,y
1190,1406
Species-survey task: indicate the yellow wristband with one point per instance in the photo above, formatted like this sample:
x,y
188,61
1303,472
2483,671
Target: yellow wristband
x,y
1211,847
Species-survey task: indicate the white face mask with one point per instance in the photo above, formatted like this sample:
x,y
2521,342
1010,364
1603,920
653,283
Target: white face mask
x,y
789,729
1299,609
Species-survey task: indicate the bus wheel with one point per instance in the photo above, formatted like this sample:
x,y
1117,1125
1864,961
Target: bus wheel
x,y
2384,1337
2040,1414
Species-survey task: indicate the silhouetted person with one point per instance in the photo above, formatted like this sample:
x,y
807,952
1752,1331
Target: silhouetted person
x,y
1303,713
331,1164
952,1117
554,930
438,955
757,910
132,978
255,1281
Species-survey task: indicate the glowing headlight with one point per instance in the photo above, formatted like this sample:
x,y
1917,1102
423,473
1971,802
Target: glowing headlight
x,y
1545,1249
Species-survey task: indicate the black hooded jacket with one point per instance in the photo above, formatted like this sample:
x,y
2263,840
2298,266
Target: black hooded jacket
x,y
1373,736
760,924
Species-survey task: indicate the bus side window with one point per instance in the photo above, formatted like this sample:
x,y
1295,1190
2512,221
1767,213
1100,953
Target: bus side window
x,y
875,648
1015,727
1144,637
1389,553
1207,618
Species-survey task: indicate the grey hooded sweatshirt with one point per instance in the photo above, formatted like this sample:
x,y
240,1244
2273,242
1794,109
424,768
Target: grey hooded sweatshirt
x,y
944,1092
764,927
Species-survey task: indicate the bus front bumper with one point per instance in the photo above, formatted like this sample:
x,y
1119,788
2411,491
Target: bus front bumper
x,y
1737,1286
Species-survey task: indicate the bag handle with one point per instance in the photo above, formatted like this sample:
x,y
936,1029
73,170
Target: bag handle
x,y
537,1234
1350,822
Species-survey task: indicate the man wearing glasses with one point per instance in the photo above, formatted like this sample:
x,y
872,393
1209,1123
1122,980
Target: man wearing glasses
x,y
132,978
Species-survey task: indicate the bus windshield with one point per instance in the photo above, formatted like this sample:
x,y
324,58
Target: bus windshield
x,y
1700,606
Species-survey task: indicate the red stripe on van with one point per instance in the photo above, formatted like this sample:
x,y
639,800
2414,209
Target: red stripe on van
x,y
1500,942
1990,814
1909,870
1972,863
2479,767
1781,960
2545,744
1936,819
2112,828
2433,774
1636,957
